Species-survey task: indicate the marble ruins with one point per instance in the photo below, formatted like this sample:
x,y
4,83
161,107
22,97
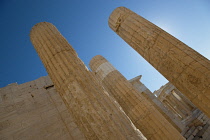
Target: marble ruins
x,y
74,103
141,112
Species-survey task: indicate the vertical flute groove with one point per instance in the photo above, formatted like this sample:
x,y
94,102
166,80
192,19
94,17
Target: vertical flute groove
x,y
95,113
185,68
141,112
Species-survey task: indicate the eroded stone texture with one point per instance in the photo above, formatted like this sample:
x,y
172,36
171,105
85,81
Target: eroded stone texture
x,y
167,113
196,123
181,65
35,111
96,115
171,97
142,113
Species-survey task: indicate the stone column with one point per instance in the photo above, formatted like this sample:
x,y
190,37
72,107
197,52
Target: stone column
x,y
168,114
96,114
185,68
175,106
141,112
169,106
185,100
180,105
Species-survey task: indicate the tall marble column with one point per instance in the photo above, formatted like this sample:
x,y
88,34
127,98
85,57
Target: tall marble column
x,y
168,114
179,104
175,106
141,112
96,114
170,107
185,100
185,68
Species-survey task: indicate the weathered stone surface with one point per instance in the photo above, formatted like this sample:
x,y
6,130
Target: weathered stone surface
x,y
142,113
168,114
195,122
185,68
32,111
171,97
96,115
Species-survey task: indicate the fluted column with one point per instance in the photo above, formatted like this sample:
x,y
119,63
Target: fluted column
x,y
185,100
96,114
180,105
185,68
175,106
142,113
168,114
169,106
185,107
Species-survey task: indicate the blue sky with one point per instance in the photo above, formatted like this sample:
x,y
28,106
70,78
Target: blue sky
x,y
85,25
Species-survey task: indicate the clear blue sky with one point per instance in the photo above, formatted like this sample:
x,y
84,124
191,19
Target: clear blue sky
x,y
85,25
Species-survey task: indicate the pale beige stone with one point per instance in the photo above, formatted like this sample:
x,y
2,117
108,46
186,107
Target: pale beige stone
x,y
33,112
168,114
185,68
170,95
96,115
142,113
195,122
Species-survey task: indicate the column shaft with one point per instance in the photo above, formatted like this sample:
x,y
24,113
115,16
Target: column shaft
x,y
179,103
175,106
96,114
168,114
142,113
161,111
185,68
185,100
169,106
